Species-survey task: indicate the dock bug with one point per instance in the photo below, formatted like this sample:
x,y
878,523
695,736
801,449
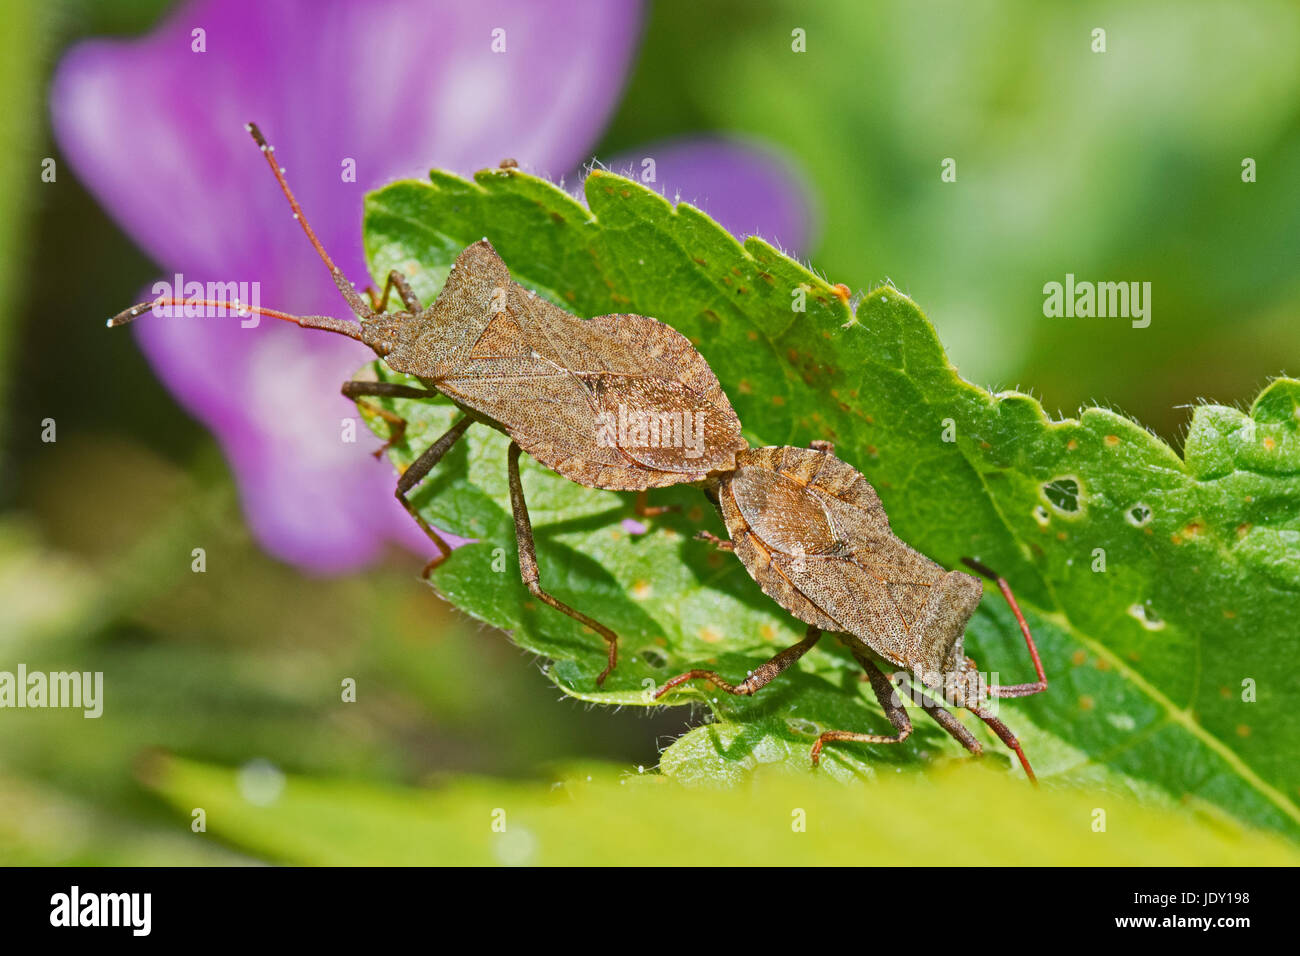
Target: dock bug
x,y
551,381
813,533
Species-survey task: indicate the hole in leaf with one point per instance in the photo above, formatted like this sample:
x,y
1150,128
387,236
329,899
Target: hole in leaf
x,y
1041,515
1138,515
654,657
804,728
1063,493
1147,617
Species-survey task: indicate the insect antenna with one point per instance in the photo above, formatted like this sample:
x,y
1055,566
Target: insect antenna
x,y
325,322
355,302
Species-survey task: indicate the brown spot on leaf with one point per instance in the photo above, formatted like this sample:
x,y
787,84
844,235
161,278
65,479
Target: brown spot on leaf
x,y
1078,657
1112,440
1086,703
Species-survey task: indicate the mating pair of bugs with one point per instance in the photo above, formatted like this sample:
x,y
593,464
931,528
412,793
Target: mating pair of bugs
x,y
807,526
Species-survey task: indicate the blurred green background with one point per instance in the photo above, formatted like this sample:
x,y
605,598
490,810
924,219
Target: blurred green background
x,y
1121,166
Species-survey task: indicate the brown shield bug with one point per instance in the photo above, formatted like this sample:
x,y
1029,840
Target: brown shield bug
x,y
560,387
813,533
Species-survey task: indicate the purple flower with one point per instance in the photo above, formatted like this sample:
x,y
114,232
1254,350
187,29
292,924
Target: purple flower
x,y
389,88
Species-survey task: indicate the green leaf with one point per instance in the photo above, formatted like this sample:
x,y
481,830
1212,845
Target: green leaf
x,y
1168,667
594,817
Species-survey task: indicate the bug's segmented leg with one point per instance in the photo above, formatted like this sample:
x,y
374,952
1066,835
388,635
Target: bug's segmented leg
x,y
761,676
395,281
528,563
416,473
714,540
356,390
821,444
893,708
1007,737
949,722
1013,690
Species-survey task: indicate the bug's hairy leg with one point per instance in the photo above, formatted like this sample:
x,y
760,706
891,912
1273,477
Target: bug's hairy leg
x,y
646,510
1007,737
714,540
397,424
528,563
1013,690
762,675
416,473
892,706
821,444
354,300
948,721
395,281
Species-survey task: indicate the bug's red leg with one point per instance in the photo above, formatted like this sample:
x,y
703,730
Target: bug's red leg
x,y
759,678
395,281
415,474
528,563
646,510
1007,737
1014,690
326,322
354,300
355,390
396,424
893,708
714,540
